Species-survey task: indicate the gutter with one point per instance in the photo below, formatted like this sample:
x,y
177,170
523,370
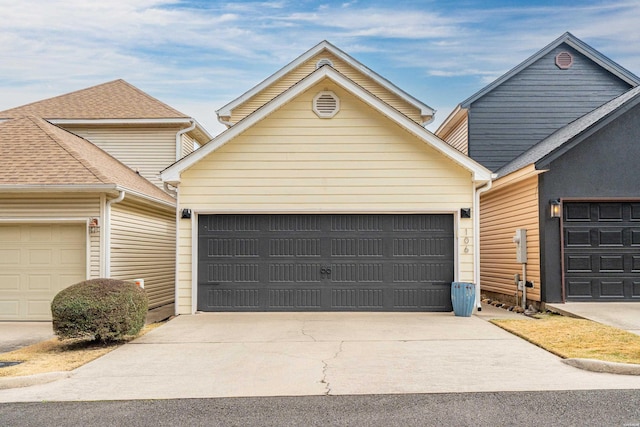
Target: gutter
x,y
179,138
107,233
476,237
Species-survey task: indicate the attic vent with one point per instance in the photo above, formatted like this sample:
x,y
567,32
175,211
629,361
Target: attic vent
x,y
324,61
564,60
326,104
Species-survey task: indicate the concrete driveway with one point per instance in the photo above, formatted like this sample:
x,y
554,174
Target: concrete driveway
x,y
14,335
292,354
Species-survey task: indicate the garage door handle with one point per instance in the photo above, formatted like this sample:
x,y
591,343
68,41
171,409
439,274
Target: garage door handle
x,y
324,270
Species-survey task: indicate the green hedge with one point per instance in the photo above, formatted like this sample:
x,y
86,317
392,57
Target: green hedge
x,y
100,310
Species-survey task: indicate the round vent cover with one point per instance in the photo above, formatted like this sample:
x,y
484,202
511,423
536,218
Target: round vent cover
x,y
326,104
564,60
324,61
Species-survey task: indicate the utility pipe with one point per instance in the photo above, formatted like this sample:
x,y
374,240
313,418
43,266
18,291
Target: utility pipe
x,y
107,231
179,138
476,239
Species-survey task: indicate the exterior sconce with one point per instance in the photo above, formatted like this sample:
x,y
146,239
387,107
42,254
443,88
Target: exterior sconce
x,y
93,226
465,213
556,208
185,214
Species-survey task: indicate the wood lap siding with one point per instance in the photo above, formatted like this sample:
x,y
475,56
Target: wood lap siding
x,y
458,138
46,207
502,212
143,246
357,161
132,145
535,103
307,68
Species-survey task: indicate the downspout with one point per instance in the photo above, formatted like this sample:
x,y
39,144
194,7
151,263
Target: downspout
x,y
179,138
107,232
227,123
476,237
173,191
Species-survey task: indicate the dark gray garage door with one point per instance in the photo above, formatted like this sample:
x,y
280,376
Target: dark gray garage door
x,y
325,262
602,251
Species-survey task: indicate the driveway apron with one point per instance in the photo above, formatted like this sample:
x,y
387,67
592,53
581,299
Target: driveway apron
x,y
294,354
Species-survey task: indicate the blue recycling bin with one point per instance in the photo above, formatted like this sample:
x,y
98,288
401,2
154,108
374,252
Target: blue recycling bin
x,y
463,298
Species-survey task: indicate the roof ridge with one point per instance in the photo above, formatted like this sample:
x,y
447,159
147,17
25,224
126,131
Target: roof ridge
x,y
143,93
585,49
89,167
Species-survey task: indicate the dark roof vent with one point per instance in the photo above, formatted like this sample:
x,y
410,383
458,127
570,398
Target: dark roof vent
x,y
564,60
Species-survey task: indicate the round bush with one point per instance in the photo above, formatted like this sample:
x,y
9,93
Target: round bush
x,y
99,309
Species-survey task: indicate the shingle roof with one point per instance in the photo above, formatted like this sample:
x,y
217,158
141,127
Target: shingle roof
x,y
566,134
112,100
35,152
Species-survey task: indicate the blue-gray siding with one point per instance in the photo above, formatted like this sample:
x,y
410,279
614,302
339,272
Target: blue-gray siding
x,y
534,103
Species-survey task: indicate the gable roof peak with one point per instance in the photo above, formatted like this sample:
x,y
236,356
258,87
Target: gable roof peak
x,y
606,63
226,110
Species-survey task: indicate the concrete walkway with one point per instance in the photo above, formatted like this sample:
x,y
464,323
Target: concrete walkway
x,y
621,315
295,354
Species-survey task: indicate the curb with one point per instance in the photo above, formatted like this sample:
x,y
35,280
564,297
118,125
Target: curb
x,y
605,367
29,380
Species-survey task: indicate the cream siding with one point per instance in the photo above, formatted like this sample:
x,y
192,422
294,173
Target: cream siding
x,y
293,161
147,150
504,210
143,247
290,79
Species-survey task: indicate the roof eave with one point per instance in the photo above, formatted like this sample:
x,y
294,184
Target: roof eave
x,y
480,174
425,111
575,43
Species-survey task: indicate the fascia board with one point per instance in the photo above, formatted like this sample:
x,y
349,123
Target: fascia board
x,y
425,110
570,40
70,188
186,120
480,173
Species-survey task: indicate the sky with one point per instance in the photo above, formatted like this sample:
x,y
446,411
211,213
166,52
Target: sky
x,y
198,55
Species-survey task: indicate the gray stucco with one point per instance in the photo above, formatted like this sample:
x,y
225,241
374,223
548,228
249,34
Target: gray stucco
x,y
602,165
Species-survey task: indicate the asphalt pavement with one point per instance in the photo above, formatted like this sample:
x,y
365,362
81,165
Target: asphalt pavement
x,y
551,408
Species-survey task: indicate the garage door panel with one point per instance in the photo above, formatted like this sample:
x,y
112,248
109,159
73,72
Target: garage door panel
x,y
37,261
325,262
601,260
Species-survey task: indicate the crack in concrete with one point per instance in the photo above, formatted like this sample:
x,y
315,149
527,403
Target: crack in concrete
x,y
304,332
325,367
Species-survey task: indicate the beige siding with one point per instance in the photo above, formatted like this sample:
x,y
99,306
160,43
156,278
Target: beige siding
x,y
146,150
143,247
293,161
188,145
502,212
459,137
60,214
307,68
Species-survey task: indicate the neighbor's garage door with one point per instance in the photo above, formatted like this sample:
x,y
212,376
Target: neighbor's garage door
x,y
601,251
325,262
36,262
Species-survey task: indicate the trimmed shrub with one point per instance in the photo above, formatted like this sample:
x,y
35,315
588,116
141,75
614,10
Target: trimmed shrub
x,y
100,310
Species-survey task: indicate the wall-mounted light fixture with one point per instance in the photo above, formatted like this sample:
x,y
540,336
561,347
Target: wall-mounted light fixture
x,y
94,227
186,214
465,212
555,208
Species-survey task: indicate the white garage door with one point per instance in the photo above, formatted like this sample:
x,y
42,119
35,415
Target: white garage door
x,y
36,262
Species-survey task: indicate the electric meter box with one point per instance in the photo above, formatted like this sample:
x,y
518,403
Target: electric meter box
x,y
520,239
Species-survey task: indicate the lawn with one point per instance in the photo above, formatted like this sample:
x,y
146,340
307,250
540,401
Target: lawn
x,y
569,338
